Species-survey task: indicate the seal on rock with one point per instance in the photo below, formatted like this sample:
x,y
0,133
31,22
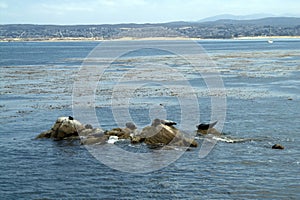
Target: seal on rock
x,y
130,125
168,122
204,128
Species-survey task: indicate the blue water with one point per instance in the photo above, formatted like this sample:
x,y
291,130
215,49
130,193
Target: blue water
x,y
263,87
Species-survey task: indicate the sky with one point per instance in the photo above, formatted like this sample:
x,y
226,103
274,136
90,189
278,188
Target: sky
x,y
135,11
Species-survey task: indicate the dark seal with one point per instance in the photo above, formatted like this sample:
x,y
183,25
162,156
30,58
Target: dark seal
x,y
277,146
204,126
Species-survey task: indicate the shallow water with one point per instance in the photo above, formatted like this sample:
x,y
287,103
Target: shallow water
x,y
262,95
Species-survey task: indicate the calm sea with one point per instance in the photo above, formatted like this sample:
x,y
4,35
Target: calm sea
x,y
262,83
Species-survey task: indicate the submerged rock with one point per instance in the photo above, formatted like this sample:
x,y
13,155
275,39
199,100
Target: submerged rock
x,y
277,146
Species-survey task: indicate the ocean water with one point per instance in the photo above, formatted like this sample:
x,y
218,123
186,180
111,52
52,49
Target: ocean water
x,y
262,88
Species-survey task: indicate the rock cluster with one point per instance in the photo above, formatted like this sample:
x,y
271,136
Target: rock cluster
x,y
160,133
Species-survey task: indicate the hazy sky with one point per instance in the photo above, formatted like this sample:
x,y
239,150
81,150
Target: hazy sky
x,y
135,11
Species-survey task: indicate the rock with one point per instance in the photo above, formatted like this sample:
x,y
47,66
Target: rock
x,y
277,146
123,133
119,132
212,131
87,132
156,134
88,126
64,127
101,139
137,139
160,134
45,134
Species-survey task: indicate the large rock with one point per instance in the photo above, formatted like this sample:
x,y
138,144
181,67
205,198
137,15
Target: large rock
x,y
64,127
161,134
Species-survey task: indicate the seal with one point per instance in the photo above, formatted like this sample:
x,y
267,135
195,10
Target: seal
x,y
208,129
130,125
168,122
204,126
156,122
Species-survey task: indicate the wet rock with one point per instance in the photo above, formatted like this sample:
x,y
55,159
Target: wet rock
x,y
88,126
67,127
45,134
94,139
161,134
119,132
212,131
277,146
64,127
88,131
137,139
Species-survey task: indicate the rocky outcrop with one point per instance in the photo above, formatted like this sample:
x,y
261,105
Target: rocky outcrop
x,y
69,128
64,127
161,132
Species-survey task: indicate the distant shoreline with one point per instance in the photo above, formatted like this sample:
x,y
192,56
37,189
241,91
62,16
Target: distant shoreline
x,y
79,39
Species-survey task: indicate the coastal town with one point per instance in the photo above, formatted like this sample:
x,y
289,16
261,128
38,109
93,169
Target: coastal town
x,y
219,29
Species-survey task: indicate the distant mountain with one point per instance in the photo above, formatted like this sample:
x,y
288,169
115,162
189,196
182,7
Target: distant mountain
x,y
269,21
236,17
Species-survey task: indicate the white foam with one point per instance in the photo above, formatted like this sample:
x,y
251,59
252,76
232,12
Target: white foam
x,y
112,139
